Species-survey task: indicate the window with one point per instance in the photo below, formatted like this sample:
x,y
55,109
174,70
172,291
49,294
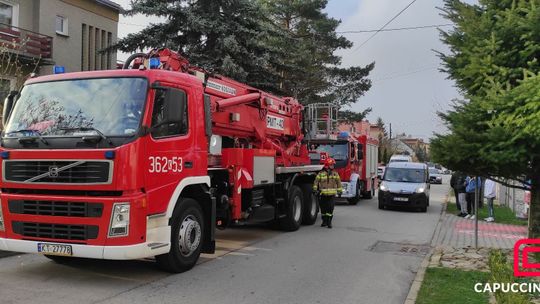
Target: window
x,y
161,125
61,25
9,13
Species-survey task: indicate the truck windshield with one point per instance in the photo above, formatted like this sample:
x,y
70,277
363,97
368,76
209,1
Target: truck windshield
x,y
336,151
111,106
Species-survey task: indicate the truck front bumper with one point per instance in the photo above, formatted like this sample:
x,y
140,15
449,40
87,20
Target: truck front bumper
x,y
349,189
147,236
128,252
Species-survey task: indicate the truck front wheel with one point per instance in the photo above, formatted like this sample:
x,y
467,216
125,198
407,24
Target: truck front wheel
x,y
354,200
371,192
187,233
293,213
311,205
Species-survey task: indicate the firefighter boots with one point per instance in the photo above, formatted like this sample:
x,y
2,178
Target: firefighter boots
x,y
324,221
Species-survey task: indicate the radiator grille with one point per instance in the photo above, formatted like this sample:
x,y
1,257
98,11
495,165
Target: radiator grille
x,y
56,231
47,171
55,208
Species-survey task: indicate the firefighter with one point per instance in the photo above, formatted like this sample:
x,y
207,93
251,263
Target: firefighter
x,y
327,185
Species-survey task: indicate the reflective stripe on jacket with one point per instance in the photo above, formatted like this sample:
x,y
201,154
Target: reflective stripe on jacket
x,y
328,184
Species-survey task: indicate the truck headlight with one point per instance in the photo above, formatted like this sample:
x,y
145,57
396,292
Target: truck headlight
x,y
2,227
420,190
383,187
119,220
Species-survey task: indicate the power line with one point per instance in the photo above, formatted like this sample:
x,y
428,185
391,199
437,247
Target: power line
x,y
404,74
396,29
382,28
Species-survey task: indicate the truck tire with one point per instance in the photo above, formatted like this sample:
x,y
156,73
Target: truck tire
x,y
311,205
369,194
381,205
187,233
354,200
293,212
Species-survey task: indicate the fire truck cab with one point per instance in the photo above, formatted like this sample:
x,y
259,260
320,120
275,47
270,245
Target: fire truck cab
x,y
355,156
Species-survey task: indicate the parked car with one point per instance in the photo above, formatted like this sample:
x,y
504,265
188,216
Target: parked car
x,y
400,158
380,172
405,184
435,176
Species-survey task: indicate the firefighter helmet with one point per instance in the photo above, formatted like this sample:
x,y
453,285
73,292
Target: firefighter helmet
x,y
329,162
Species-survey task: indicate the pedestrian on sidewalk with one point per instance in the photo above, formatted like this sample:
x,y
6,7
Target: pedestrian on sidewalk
x,y
327,185
457,182
461,186
470,189
489,194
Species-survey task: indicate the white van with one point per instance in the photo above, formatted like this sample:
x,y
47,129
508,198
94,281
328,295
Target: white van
x,y
400,158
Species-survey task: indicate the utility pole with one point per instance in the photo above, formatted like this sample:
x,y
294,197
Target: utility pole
x,y
390,131
477,183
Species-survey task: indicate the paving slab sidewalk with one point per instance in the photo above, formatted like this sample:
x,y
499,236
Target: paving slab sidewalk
x,y
455,236
457,232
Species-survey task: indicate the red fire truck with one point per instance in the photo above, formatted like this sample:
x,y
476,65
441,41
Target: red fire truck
x,y
356,157
148,161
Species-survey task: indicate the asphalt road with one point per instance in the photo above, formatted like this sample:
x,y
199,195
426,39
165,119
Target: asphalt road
x,y
368,257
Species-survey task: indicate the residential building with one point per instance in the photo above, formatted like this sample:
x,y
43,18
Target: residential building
x,y
376,132
399,147
357,128
416,144
36,35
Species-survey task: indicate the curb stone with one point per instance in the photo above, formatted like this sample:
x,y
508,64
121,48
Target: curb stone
x,y
417,282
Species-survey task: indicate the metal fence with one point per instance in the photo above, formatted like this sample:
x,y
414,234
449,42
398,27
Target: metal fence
x,y
513,198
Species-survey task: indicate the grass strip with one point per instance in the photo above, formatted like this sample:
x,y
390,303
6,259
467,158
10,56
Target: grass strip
x,y
447,285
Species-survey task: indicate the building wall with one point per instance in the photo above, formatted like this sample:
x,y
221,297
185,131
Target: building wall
x,y
98,24
357,128
375,132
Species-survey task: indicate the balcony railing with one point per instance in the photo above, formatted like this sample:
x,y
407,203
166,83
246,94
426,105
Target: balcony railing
x,y
25,42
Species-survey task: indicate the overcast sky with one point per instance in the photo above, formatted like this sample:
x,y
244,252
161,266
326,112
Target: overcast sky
x,y
407,88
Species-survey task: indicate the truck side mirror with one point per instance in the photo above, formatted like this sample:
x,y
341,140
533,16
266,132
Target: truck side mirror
x,y
9,103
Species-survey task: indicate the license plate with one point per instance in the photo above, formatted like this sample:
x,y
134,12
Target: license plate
x,y
401,199
55,249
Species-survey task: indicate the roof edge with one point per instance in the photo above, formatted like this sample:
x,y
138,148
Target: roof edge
x,y
110,4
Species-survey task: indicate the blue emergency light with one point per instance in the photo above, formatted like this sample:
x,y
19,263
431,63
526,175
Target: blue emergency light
x,y
109,154
154,63
343,134
58,69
